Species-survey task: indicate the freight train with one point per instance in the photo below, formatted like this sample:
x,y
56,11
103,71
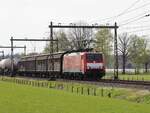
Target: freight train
x,y
69,65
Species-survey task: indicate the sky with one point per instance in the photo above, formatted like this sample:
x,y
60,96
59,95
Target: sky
x,y
30,18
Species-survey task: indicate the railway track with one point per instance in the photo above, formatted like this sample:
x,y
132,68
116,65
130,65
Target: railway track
x,y
114,83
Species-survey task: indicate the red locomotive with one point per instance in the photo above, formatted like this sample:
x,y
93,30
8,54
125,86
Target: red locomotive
x,y
84,65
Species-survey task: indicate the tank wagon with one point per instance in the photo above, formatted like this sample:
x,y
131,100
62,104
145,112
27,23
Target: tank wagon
x,y
5,65
70,64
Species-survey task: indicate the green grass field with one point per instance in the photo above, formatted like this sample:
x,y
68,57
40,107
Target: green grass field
x,y
15,98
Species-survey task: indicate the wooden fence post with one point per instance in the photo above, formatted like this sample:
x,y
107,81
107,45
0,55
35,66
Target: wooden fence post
x,y
94,91
88,91
77,90
72,89
109,94
82,90
50,86
102,92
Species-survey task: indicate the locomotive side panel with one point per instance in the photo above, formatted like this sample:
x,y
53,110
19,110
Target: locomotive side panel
x,y
72,63
83,63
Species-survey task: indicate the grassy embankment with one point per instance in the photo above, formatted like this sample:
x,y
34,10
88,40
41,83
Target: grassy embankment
x,y
18,98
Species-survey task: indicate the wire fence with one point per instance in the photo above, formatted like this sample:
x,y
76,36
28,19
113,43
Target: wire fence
x,y
69,87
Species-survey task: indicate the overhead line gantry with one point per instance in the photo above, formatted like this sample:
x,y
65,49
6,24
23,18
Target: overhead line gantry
x,y
71,25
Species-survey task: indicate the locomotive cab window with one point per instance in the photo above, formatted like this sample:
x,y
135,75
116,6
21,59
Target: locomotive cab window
x,y
94,57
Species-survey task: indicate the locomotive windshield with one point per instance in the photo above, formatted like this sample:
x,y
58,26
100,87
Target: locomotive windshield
x,y
94,57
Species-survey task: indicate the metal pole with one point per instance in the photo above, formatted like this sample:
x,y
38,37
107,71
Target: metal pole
x,y
3,54
24,49
13,46
51,45
51,38
115,53
76,26
57,46
12,62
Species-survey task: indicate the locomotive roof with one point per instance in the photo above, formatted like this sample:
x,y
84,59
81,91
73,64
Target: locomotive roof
x,y
81,53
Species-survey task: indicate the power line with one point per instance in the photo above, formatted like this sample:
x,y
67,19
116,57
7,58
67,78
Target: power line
x,y
139,22
126,10
131,21
139,15
122,13
134,20
139,30
135,27
139,7
144,21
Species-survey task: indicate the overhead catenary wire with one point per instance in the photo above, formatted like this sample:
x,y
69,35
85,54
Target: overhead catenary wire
x,y
135,27
128,22
137,16
131,21
138,30
127,10
142,21
139,7
123,12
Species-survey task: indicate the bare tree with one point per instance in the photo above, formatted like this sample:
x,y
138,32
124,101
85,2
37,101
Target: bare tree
x,y
80,37
63,42
124,41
